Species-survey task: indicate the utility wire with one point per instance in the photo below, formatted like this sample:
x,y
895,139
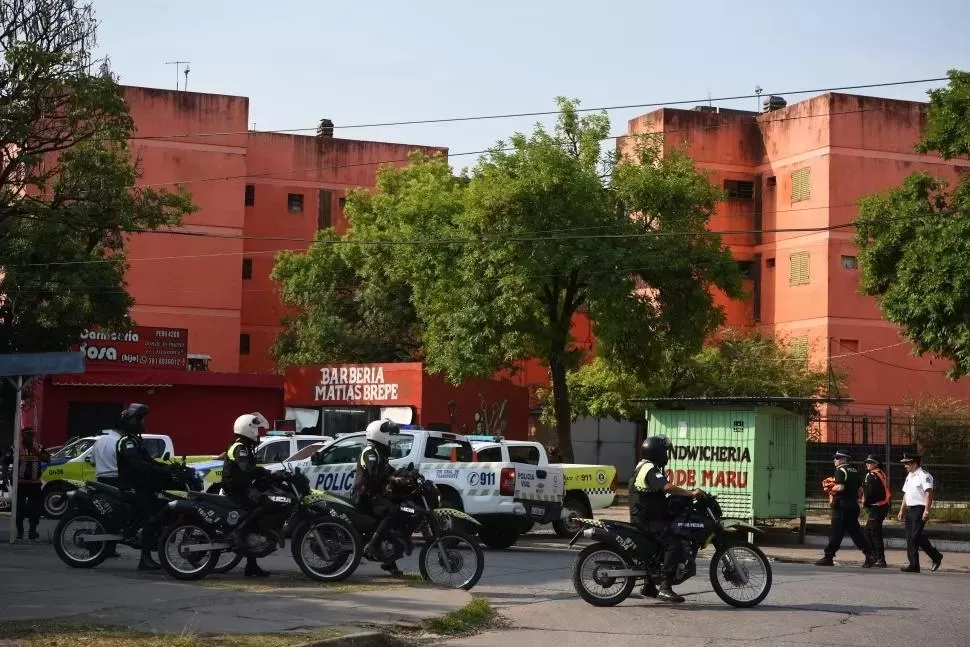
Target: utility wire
x,y
545,113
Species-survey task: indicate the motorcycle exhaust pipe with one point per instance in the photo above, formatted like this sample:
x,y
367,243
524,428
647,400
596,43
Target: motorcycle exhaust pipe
x,y
99,538
198,548
622,572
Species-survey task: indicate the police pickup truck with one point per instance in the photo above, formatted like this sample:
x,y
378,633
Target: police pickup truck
x,y
588,487
273,449
503,496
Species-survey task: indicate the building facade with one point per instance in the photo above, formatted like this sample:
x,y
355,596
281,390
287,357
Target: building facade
x,y
804,167
256,193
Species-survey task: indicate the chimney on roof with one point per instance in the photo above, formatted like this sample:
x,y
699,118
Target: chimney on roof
x,y
325,129
772,103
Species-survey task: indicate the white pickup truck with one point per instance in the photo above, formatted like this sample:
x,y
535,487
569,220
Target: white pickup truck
x,y
273,449
588,487
503,496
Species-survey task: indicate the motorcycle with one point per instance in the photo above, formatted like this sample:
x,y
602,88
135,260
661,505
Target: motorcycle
x,y
111,512
205,522
419,501
624,554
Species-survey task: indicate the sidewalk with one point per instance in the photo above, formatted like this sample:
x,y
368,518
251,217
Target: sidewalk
x,y
36,585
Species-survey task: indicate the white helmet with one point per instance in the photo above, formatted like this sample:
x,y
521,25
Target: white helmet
x,y
380,431
248,424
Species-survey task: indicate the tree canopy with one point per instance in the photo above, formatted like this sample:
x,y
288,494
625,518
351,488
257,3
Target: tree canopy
x,y
68,190
498,263
736,363
914,240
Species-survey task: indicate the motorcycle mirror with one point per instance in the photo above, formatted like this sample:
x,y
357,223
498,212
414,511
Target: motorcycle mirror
x,y
410,466
166,456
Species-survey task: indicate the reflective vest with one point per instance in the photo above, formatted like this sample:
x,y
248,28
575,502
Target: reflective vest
x,y
888,495
29,471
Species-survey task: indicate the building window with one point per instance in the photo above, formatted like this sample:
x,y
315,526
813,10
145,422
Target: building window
x,y
244,344
801,184
770,262
848,346
325,210
772,182
247,268
850,263
799,274
798,347
250,195
739,189
342,203
746,268
294,202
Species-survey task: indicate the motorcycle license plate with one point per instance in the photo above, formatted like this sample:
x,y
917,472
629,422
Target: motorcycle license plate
x,y
538,511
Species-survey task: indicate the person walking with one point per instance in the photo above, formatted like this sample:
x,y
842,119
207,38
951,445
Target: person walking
x,y
876,498
917,502
845,491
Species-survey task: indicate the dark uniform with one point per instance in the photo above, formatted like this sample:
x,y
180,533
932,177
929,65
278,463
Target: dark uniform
x,y
369,494
648,509
875,498
244,482
29,485
845,513
140,473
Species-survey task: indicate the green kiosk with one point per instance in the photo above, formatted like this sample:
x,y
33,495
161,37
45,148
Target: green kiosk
x,y
750,452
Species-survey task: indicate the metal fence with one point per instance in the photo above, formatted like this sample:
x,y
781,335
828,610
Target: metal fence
x,y
943,442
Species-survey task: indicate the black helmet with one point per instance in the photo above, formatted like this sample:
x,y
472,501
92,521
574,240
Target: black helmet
x,y
655,450
132,419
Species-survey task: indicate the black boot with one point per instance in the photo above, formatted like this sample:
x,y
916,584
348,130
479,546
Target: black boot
x,y
825,561
667,594
649,589
146,563
391,568
253,569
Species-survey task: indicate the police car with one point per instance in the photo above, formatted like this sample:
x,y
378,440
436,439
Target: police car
x,y
502,495
274,448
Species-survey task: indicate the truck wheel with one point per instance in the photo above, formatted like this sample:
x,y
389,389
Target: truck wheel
x,y
498,535
576,508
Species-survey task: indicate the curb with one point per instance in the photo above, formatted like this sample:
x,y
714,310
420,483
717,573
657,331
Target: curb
x,y
359,639
855,564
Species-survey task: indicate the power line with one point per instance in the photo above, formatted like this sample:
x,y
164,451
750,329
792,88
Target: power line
x,y
545,113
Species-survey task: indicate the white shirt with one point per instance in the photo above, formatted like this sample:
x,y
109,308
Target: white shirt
x,y
104,455
916,486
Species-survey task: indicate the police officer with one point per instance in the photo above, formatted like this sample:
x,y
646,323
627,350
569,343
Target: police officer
x,y
244,481
138,471
845,493
29,483
876,497
917,501
374,474
648,509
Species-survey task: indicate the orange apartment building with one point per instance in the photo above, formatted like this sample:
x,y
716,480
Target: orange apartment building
x,y
257,193
805,166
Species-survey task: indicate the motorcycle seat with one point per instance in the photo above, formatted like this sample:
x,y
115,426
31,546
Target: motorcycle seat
x,y
214,499
109,490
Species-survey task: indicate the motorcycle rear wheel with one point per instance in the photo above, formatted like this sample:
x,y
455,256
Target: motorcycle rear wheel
x,y
615,560
430,555
303,539
224,566
206,561
720,563
59,538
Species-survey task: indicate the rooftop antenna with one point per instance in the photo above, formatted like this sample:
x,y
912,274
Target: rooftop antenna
x,y
186,73
178,68
758,90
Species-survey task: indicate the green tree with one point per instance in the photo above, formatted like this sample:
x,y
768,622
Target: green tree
x,y
547,225
67,184
735,364
914,240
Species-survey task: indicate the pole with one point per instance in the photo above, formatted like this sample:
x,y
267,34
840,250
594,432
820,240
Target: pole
x,y
18,383
889,443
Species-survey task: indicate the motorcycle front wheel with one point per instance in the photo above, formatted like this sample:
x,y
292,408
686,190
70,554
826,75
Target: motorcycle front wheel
x,y
594,587
735,569
68,545
336,559
443,563
187,565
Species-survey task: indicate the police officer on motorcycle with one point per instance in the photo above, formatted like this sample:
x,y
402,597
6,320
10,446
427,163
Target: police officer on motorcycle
x,y
244,481
649,510
140,473
374,474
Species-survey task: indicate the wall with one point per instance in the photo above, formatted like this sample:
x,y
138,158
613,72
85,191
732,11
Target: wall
x,y
478,406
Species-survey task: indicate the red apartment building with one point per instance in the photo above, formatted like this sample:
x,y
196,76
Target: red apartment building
x,y
805,166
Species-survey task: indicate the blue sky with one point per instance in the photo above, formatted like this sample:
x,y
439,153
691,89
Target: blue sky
x,y
365,62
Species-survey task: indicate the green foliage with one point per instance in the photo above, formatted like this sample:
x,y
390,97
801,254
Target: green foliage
x,y
940,427
547,225
67,193
735,364
914,240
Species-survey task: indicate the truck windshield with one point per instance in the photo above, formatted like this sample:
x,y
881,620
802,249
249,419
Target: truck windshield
x,y
448,449
73,449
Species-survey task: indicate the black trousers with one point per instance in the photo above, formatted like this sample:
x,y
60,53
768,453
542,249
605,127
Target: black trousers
x,y
845,520
915,539
670,544
28,506
873,530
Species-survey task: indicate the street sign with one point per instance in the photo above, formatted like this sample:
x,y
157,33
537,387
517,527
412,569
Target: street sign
x,y
15,367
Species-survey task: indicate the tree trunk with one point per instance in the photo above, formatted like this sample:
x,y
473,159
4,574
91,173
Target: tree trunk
x,y
560,400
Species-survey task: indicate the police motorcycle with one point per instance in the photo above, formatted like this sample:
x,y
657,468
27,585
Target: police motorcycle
x,y
440,561
190,546
606,572
100,515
